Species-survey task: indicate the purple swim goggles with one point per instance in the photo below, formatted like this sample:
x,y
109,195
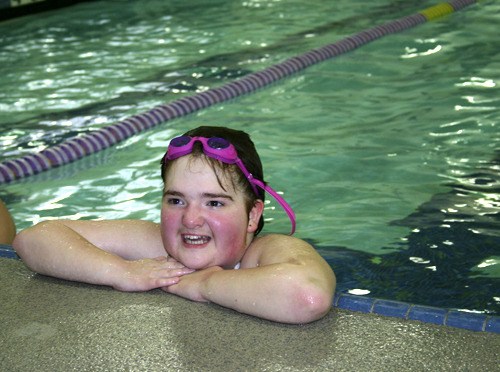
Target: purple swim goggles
x,y
221,149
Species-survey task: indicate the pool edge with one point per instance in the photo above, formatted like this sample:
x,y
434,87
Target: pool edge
x,y
396,309
477,322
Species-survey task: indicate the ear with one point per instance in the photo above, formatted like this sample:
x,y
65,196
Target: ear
x,y
254,216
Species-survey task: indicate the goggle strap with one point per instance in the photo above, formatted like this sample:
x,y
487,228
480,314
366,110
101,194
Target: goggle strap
x,y
289,211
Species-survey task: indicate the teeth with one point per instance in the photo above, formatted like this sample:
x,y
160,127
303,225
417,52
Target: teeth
x,y
195,239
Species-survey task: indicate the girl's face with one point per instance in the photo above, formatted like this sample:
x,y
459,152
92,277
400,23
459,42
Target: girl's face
x,y
202,224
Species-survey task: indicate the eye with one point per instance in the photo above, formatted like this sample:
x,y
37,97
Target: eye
x,y
215,203
174,201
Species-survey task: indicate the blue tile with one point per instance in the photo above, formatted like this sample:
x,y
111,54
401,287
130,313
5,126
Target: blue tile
x,y
428,314
336,298
471,321
7,251
391,308
493,325
355,303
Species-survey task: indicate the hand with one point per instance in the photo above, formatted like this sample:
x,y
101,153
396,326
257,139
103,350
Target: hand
x,y
147,273
191,286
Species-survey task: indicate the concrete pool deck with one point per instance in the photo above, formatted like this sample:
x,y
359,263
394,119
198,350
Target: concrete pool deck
x,y
54,325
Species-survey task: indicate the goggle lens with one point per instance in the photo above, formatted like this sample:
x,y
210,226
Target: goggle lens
x,y
180,141
218,143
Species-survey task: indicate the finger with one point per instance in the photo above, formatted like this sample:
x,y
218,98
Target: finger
x,y
167,282
161,258
185,271
173,265
171,273
181,271
169,288
171,259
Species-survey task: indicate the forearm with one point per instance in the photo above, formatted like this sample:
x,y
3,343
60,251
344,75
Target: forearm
x,y
281,292
53,249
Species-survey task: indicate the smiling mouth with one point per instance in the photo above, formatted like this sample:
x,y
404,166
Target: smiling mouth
x,y
197,240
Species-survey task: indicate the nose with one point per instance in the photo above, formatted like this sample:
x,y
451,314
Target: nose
x,y
192,217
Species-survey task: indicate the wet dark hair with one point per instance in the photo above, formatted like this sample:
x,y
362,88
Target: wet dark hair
x,y
246,152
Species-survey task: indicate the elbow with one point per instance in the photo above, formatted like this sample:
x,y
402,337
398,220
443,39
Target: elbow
x,y
24,243
313,304
313,299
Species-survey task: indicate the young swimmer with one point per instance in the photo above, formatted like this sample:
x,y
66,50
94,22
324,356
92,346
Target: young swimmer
x,y
7,226
205,247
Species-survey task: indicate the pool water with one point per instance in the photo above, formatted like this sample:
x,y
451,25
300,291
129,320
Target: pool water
x,y
389,154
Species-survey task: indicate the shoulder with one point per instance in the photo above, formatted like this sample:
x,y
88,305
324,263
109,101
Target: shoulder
x,y
280,241
277,248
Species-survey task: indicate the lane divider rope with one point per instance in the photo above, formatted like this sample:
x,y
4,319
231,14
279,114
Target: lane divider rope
x,y
89,143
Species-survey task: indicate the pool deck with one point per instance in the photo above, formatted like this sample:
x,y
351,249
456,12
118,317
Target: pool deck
x,y
54,325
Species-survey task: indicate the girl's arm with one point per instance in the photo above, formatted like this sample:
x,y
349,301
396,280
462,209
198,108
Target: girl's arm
x,y
127,255
7,226
281,279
